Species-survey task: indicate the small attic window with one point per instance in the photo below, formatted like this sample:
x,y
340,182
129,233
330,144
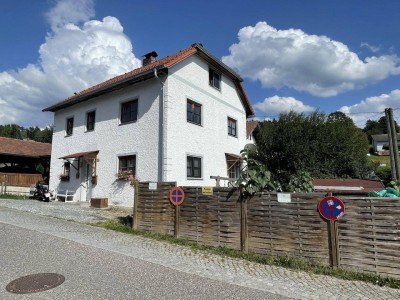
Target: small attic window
x,y
214,79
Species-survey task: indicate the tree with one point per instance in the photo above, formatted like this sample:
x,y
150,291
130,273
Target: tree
x,y
323,146
32,133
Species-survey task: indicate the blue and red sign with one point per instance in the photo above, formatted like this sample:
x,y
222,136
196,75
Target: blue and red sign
x,y
331,208
176,195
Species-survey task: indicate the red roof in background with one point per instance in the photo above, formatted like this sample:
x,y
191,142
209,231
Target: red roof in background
x,y
347,185
23,148
163,63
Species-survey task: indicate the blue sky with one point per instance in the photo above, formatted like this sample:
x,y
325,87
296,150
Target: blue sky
x,y
292,55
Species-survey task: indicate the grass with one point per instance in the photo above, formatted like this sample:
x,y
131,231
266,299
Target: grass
x,y
15,197
293,263
382,159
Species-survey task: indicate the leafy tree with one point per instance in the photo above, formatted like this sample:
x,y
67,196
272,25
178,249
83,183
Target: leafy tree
x,y
323,146
33,133
254,177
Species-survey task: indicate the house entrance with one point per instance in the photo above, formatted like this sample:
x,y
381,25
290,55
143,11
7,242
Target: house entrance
x,y
86,184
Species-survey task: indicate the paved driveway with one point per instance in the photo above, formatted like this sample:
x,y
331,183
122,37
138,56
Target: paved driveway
x,y
247,280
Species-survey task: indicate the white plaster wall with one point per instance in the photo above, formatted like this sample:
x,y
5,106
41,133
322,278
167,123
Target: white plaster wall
x,y
378,146
111,140
189,79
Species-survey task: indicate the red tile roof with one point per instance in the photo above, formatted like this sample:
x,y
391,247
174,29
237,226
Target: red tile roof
x,y
23,148
347,185
147,71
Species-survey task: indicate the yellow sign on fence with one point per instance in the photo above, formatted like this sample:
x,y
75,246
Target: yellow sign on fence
x,y
207,190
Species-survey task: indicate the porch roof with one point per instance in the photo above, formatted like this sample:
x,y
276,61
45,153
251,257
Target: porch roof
x,y
79,154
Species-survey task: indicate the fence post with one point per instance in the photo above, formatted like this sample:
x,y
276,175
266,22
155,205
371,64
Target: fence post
x,y
333,237
135,206
243,223
176,223
333,244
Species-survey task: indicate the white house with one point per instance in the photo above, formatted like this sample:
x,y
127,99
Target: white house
x,y
380,142
181,118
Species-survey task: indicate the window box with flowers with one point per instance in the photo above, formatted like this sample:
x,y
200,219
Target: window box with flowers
x,y
127,176
64,177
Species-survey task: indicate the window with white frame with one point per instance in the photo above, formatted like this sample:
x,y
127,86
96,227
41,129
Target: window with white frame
x,y
193,167
214,79
127,165
90,120
232,127
129,111
193,112
69,126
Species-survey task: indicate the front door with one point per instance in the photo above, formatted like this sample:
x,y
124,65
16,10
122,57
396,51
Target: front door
x,y
86,184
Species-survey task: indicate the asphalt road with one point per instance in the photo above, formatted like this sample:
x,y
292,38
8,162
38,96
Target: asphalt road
x,y
95,267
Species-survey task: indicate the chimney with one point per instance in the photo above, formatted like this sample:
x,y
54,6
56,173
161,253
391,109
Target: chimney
x,y
149,58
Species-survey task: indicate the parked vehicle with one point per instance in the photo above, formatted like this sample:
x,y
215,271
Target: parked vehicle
x,y
40,191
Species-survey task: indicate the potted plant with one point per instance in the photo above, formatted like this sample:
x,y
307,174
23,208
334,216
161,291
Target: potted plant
x,y
127,176
64,177
123,175
94,179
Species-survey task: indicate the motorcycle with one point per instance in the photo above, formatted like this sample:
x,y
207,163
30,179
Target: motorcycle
x,y
41,191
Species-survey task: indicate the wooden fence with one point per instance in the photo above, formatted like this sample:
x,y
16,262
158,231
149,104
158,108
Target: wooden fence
x,y
17,179
368,236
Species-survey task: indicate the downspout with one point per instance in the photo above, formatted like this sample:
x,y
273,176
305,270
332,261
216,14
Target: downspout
x,y
161,129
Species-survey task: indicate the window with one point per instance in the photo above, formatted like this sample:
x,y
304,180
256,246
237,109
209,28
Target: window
x,y
232,125
66,172
127,164
129,111
233,169
193,112
69,126
90,120
193,167
215,79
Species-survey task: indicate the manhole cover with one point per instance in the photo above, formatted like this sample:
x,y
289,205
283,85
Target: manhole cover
x,y
35,283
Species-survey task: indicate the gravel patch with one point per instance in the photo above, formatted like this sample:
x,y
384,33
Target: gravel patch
x,y
77,212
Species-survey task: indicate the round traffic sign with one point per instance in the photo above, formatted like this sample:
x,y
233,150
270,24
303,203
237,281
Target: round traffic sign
x,y
176,195
331,208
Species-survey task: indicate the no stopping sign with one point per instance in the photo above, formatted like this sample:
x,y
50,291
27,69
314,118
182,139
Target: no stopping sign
x,y
331,208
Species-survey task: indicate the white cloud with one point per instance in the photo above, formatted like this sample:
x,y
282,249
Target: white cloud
x,y
70,11
371,48
310,63
276,104
372,108
72,58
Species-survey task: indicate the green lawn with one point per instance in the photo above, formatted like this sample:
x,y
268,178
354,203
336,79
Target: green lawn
x,y
383,159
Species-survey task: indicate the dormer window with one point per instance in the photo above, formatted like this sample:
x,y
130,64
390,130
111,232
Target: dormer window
x,y
215,79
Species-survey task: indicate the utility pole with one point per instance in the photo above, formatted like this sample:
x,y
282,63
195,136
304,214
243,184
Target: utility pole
x,y
393,145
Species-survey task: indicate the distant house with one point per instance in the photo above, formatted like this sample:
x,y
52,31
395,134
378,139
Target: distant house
x,y
181,118
380,142
347,186
23,162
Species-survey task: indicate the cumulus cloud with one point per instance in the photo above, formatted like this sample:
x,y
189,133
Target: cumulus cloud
x,y
314,64
276,104
373,107
74,56
70,11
